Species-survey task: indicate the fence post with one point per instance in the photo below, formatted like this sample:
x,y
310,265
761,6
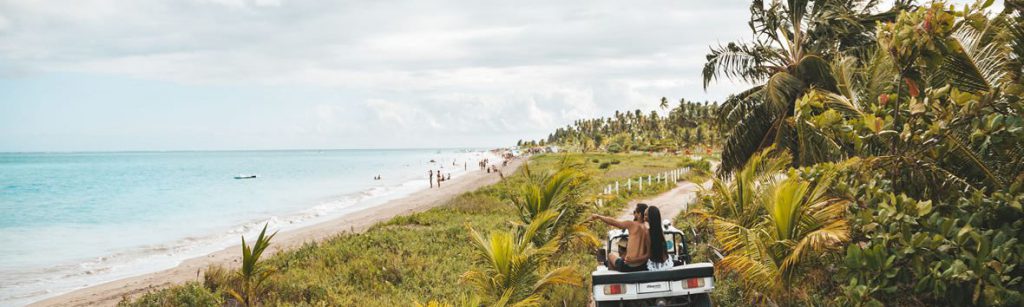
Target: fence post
x,y
641,182
616,187
629,184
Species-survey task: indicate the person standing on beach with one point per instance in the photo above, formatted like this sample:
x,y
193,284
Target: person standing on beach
x,y
439,178
431,180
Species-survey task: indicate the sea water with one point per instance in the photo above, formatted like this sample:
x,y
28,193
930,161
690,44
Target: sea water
x,y
72,220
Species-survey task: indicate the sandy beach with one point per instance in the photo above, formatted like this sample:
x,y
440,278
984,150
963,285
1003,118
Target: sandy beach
x,y
110,293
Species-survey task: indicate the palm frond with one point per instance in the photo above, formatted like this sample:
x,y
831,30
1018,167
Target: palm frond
x,y
976,65
750,63
749,136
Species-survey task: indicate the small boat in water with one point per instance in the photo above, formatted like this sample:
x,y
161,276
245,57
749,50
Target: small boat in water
x,y
245,177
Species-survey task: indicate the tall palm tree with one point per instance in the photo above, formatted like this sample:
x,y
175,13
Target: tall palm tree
x,y
794,42
664,103
921,104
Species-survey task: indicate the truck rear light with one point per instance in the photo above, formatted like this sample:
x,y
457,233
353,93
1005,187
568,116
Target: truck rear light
x,y
613,289
694,283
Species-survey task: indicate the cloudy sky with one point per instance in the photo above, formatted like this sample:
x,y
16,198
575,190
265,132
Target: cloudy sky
x,y
271,74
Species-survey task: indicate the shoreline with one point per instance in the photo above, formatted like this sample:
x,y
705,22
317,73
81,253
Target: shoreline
x,y
112,292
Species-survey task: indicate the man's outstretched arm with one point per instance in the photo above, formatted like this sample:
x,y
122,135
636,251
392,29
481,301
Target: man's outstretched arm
x,y
610,221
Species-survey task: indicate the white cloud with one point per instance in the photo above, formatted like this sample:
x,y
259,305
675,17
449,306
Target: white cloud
x,y
468,68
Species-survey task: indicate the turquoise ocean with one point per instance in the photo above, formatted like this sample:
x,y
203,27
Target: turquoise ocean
x,y
72,220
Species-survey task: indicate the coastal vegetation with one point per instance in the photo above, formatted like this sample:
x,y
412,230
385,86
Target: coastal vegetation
x,y
428,257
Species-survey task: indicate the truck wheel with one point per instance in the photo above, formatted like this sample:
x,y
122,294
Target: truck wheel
x,y
701,300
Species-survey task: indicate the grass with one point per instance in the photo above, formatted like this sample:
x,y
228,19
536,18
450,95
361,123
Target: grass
x,y
418,257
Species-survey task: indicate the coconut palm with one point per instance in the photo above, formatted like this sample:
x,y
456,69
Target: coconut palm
x,y
794,42
923,105
511,271
252,273
736,197
559,194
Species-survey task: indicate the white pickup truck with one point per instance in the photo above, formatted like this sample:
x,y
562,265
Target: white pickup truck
x,y
685,284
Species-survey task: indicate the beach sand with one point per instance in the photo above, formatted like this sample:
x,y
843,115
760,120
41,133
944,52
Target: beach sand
x,y
109,294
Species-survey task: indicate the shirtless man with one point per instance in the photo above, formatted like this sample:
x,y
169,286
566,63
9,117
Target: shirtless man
x,y
638,244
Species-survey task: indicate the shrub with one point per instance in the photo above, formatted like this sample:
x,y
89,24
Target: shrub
x,y
189,294
910,252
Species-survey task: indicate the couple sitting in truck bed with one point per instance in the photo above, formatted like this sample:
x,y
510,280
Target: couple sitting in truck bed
x,y
645,250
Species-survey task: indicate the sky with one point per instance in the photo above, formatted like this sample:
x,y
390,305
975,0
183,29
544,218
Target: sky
x,y
109,75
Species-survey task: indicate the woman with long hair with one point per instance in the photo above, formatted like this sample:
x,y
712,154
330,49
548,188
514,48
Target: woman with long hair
x,y
658,259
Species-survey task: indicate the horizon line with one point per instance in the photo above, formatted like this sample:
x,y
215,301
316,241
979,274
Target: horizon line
x,y
243,150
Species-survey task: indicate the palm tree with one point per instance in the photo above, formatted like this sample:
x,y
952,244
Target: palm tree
x,y
252,273
511,271
557,194
771,246
736,197
920,104
664,103
790,55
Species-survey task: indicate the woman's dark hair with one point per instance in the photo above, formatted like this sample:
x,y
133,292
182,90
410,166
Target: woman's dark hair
x,y
659,252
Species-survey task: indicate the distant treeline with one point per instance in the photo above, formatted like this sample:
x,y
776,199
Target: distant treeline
x,y
688,125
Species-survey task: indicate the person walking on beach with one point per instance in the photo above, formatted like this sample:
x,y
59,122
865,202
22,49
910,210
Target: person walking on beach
x,y
439,178
431,180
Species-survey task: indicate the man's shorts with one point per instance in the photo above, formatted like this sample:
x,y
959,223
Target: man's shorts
x,y
621,266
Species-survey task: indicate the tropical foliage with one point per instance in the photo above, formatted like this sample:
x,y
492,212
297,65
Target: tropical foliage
x,y
512,267
916,142
794,45
512,271
557,195
252,273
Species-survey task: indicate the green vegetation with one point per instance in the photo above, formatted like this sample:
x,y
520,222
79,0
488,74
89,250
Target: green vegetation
x,y
424,257
686,127
887,171
252,272
514,267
